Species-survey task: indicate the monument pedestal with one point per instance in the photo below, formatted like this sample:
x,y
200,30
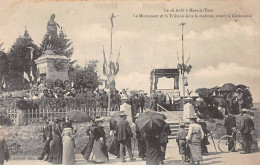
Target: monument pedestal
x,y
53,66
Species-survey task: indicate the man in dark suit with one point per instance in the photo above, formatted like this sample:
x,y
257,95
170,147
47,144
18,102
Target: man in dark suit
x,y
141,102
124,135
141,141
163,138
47,137
230,124
247,126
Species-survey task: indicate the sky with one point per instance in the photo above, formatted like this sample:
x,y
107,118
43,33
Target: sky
x,y
221,50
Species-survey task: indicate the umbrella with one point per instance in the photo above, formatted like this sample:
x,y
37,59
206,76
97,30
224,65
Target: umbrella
x,y
227,87
78,116
150,121
202,91
212,90
241,86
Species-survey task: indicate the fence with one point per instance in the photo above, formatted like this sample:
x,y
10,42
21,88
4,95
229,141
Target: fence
x,y
35,115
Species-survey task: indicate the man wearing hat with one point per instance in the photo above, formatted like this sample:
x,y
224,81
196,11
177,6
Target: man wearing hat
x,y
181,141
124,135
247,126
47,137
230,125
163,138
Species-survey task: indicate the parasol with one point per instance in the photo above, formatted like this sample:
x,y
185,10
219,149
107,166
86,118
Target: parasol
x,y
227,87
241,86
78,116
150,121
202,91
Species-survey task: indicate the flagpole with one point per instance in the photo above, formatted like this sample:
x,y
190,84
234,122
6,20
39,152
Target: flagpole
x,y
183,84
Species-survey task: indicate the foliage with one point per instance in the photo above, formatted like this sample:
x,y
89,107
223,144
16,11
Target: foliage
x,y
87,77
19,59
3,63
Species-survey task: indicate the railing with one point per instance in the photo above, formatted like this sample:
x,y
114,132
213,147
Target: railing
x,y
159,106
35,115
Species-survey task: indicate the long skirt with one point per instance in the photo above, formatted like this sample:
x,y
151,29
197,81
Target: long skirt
x,y
68,156
96,154
153,152
87,150
55,156
195,149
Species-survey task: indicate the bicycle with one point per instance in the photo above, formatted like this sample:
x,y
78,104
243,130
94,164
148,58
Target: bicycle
x,y
227,143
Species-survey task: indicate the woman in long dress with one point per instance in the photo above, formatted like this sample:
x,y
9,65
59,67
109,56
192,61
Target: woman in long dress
x,y
68,156
99,151
194,138
153,150
90,133
4,152
56,147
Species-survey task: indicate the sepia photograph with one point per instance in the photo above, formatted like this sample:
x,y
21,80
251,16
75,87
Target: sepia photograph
x,y
162,82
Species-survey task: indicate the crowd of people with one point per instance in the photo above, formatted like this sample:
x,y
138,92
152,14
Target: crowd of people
x,y
217,104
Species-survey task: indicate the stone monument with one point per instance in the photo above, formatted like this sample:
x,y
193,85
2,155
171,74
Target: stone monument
x,y
52,66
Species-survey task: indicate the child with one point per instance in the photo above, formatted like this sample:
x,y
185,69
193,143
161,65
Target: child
x,y
181,141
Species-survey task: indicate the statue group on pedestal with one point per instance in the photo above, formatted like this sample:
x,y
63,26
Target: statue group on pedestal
x,y
51,36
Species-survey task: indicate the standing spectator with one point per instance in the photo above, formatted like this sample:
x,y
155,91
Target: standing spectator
x,y
182,144
4,152
230,125
240,99
153,151
55,156
104,101
168,102
161,100
141,102
194,138
68,156
118,101
114,148
47,138
99,151
90,133
205,140
141,142
124,135
247,127
134,106
163,138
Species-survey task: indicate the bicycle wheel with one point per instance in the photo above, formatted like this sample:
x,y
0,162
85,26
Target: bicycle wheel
x,y
226,143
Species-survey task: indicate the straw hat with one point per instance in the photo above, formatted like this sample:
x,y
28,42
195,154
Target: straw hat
x,y
122,114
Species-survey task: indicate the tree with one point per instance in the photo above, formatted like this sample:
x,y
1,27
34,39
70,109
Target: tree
x,y
19,59
3,64
87,77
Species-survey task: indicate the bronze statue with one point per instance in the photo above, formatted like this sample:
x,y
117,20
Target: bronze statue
x,y
51,35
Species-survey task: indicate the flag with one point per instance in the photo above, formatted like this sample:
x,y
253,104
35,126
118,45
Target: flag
x,y
38,74
112,68
105,63
25,76
189,69
31,74
117,63
3,82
